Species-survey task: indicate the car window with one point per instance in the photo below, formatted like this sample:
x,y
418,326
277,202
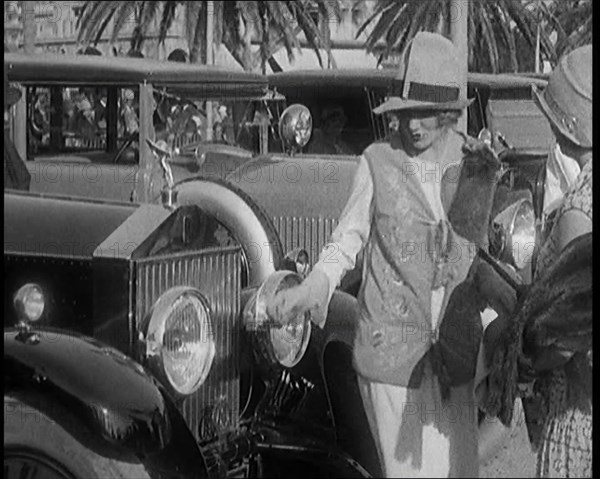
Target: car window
x,y
183,122
73,121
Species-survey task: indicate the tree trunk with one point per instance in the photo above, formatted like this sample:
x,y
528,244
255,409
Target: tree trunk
x,y
458,20
29,26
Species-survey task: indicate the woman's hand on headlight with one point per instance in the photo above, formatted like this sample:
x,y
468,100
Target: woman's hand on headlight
x,y
312,295
288,304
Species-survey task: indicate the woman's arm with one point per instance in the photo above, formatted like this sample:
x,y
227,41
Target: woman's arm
x,y
337,257
572,223
352,231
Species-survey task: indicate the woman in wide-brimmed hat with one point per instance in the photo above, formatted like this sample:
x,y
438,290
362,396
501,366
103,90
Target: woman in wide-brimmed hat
x,y
397,215
552,332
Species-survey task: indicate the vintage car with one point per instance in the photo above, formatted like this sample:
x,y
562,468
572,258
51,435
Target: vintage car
x,y
185,376
133,349
136,342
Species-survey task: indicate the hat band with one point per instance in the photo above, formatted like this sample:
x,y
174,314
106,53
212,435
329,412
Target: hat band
x,y
426,92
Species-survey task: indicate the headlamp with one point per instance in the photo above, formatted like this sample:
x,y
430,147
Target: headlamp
x,y
180,344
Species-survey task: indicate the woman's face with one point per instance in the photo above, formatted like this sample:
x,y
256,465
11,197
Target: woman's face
x,y
420,129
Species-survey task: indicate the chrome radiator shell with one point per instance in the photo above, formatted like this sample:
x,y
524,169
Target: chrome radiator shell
x,y
309,233
216,273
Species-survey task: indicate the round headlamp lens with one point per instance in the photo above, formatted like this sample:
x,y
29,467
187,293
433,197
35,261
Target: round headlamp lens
x,y
523,235
289,342
30,302
180,339
284,346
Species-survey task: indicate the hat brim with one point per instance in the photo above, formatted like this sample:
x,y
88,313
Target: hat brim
x,y
395,103
13,95
552,117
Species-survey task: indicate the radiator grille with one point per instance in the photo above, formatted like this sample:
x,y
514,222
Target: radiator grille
x,y
308,233
216,274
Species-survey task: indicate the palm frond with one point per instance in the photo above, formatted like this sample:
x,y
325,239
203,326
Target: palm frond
x,y
382,9
218,22
168,15
93,16
492,28
280,15
122,15
197,32
488,37
147,16
390,12
508,35
191,17
472,36
310,29
420,18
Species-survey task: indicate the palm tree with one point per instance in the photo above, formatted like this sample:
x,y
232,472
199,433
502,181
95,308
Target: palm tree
x,y
493,27
273,24
571,21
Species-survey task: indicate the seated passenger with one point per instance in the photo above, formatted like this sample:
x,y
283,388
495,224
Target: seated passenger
x,y
327,139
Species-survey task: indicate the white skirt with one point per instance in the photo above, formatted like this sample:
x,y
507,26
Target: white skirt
x,y
418,434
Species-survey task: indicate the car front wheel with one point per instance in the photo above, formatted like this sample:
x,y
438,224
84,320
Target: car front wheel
x,y
39,445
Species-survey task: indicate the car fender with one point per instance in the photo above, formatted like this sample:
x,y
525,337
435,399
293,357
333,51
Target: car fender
x,y
246,221
281,445
107,391
343,389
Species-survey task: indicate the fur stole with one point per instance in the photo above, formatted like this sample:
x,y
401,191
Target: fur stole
x,y
556,312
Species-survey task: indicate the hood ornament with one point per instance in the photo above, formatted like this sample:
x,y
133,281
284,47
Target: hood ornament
x,y
164,153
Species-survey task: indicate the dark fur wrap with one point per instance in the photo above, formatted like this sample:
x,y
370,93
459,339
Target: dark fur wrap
x,y
556,312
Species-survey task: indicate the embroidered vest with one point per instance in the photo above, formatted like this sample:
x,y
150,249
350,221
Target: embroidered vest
x,y
408,255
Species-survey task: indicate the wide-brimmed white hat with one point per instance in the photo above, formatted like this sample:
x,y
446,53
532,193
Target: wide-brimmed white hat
x,y
567,99
429,77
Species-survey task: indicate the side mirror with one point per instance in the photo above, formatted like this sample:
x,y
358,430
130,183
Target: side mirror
x,y
295,127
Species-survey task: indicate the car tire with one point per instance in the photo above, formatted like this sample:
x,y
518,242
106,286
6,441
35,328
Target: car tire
x,y
44,447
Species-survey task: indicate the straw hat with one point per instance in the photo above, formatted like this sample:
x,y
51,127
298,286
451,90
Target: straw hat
x,y
567,99
11,94
429,77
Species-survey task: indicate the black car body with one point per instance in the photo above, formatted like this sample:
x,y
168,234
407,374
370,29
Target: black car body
x,y
106,271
